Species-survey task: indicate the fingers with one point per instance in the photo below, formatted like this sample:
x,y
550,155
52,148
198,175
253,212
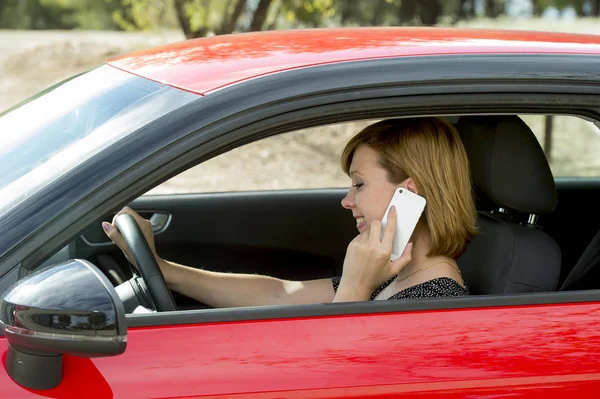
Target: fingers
x,y
144,224
403,260
390,229
116,237
375,230
127,210
366,234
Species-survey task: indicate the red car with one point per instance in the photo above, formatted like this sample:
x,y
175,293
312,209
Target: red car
x,y
77,323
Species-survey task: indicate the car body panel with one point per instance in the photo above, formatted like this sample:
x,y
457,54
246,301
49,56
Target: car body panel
x,y
537,351
207,64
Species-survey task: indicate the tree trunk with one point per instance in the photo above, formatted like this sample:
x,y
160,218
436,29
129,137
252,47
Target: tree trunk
x,y
408,10
461,12
472,10
549,127
184,21
379,13
349,11
260,15
494,8
578,5
430,11
537,10
229,23
490,9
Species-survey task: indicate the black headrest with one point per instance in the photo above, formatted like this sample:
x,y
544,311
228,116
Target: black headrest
x,y
508,166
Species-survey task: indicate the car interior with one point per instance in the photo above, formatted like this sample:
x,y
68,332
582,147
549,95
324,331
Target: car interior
x,y
537,231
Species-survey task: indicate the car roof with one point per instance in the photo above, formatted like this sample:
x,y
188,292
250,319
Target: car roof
x,y
208,64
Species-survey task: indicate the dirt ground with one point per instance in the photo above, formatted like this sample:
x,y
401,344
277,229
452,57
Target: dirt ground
x,y
32,60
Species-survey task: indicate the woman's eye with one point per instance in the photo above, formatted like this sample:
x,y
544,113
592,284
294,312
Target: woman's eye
x,y
358,185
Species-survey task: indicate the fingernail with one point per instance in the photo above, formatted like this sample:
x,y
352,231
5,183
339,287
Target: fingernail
x,y
106,226
393,209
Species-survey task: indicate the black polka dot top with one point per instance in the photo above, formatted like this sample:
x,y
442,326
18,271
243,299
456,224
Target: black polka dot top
x,y
437,288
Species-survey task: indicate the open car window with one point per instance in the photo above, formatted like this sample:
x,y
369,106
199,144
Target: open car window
x,y
310,158
571,143
302,159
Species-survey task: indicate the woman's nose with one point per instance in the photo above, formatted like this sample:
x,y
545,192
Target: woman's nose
x,y
348,200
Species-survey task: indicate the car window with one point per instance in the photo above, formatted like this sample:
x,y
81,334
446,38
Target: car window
x,y
302,159
571,144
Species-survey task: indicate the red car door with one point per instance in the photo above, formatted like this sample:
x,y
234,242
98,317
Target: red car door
x,y
540,351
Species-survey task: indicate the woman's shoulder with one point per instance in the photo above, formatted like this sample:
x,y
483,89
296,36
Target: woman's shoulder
x,y
436,288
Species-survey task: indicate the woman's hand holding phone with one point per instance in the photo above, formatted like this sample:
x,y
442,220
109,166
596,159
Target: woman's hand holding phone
x,y
367,264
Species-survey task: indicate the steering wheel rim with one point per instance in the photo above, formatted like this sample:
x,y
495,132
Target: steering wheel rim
x,y
146,263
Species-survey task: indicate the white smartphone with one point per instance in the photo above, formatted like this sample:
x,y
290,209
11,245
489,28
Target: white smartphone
x,y
409,207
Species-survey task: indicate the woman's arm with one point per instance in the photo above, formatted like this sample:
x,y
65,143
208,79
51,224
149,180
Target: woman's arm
x,y
225,289
233,290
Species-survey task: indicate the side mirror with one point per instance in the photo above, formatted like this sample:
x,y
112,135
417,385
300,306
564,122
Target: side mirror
x,y
66,308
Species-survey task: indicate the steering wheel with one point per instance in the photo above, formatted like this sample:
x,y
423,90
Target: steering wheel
x,y
159,293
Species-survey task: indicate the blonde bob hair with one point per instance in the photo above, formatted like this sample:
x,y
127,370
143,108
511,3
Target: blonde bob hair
x,y
431,153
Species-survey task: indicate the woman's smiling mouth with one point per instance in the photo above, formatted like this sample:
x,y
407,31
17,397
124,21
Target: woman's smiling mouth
x,y
360,223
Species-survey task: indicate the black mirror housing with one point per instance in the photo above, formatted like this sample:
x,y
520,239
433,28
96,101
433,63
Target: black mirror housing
x,y
66,308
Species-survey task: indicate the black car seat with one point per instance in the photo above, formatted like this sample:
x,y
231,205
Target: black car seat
x,y
513,185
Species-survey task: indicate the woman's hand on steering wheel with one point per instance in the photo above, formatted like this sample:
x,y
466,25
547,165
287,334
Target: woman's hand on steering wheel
x,y
113,233
133,235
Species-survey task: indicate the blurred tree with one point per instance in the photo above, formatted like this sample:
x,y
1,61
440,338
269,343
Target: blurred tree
x,y
465,9
596,8
132,15
230,21
314,14
198,18
260,15
494,8
536,6
407,11
379,11
37,14
430,11
349,11
578,5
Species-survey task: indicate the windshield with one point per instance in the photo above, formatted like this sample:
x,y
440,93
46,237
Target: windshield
x,y
52,133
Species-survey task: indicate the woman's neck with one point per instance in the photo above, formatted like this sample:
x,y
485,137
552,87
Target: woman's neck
x,y
420,258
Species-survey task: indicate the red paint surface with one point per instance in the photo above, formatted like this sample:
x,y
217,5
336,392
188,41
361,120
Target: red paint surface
x,y
207,64
548,351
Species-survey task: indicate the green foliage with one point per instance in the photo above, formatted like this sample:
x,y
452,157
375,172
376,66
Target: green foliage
x,y
204,17
310,13
134,15
205,14
36,14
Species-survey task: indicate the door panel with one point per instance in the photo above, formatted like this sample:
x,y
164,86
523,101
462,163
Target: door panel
x,y
290,234
549,351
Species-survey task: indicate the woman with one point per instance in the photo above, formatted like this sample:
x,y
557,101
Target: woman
x,y
423,155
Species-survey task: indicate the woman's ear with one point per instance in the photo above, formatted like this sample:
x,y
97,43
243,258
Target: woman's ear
x,y
410,185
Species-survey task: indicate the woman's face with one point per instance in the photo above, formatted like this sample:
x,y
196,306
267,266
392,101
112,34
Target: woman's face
x,y
371,191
